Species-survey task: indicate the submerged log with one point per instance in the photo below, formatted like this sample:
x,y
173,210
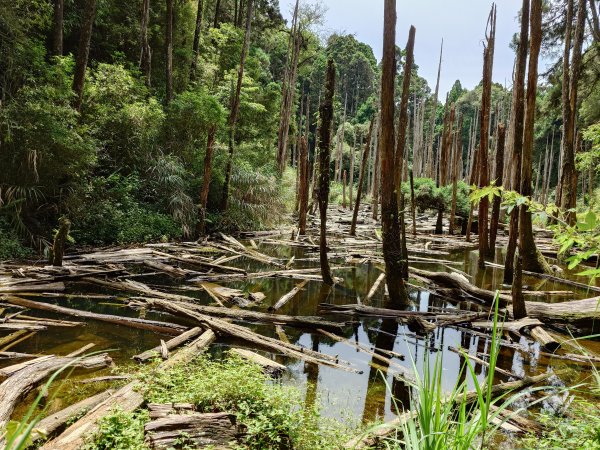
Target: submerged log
x,y
152,325
287,297
23,381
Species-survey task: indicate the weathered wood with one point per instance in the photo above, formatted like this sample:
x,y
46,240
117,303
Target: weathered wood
x,y
23,381
50,424
37,287
171,344
152,325
476,359
270,367
545,339
287,297
213,430
375,286
195,348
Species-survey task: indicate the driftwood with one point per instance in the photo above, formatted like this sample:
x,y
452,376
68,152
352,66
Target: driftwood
x,y
171,344
480,361
23,381
287,297
375,286
53,422
214,430
132,322
269,366
545,339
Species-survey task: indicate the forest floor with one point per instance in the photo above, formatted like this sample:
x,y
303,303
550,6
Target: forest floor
x,y
260,297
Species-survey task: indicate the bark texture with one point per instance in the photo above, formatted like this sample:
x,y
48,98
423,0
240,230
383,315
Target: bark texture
x,y
83,51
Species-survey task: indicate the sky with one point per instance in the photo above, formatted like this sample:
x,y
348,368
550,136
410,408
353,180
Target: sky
x,y
461,23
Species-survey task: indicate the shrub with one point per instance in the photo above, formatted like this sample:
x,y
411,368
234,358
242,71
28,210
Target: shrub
x,y
10,244
111,214
119,431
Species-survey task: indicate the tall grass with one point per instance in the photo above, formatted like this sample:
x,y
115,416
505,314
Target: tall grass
x,y
459,419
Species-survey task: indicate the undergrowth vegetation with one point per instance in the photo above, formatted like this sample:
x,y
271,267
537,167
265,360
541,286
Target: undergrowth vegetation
x,y
274,415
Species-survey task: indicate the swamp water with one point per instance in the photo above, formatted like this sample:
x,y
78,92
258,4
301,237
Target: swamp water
x,y
371,395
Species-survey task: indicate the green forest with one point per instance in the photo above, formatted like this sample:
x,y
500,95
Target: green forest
x,y
236,175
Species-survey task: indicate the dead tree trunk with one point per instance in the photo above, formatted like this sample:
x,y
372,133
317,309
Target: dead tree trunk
x,y
499,179
235,107
210,147
517,138
169,52
146,52
60,239
303,191
568,182
376,171
344,189
361,179
429,165
287,91
455,169
351,177
532,258
83,51
486,99
196,43
392,248
326,114
57,28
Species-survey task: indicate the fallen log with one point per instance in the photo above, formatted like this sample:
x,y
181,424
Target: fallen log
x,y
54,422
32,287
240,332
132,322
456,281
375,286
482,362
126,398
270,367
287,297
545,339
573,311
214,430
23,381
171,344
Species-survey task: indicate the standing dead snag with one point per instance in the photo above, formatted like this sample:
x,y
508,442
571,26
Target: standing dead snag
x,y
83,51
326,114
60,239
486,99
528,256
361,179
376,170
235,107
455,167
517,138
210,148
499,177
568,180
392,248
303,192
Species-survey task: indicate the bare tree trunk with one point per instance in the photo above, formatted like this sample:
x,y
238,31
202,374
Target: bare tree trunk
x,y
361,179
196,43
326,114
217,13
303,191
339,160
392,247
499,176
60,240
532,258
351,179
169,52
146,51
210,147
569,174
566,104
455,167
235,107
375,194
83,51
517,138
57,28
344,189
430,171
486,99
288,89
